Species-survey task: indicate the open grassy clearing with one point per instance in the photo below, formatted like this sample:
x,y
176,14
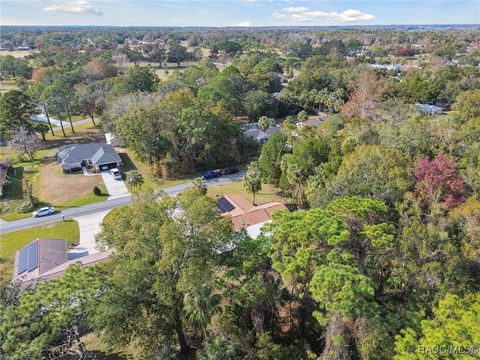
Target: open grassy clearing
x,y
17,53
101,351
7,85
11,242
79,117
267,194
84,133
7,153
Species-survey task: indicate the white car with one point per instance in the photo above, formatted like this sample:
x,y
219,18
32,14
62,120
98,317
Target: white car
x,y
117,175
45,211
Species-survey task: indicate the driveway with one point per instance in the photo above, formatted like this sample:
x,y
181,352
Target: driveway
x,y
115,188
101,206
89,226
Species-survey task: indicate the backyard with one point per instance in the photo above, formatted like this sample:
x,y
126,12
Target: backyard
x,y
11,242
267,194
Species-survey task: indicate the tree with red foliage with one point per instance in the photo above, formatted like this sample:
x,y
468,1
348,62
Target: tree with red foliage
x,y
439,181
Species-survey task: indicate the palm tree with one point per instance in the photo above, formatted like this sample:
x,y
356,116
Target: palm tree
x,y
199,306
253,179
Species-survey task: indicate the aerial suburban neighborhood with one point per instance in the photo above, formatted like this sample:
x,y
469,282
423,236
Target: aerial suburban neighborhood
x,y
226,180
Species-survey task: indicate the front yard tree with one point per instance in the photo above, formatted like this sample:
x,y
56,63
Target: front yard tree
x,y
165,250
25,141
302,116
42,128
265,122
158,55
177,53
140,79
135,179
16,110
271,157
91,98
200,185
51,317
253,179
65,94
56,105
37,91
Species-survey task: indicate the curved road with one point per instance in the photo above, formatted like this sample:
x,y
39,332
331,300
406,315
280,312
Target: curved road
x,y
16,225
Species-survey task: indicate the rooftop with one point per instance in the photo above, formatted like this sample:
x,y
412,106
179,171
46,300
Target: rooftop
x,y
46,259
98,153
243,213
38,257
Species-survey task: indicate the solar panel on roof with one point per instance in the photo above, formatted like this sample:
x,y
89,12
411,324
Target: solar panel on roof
x,y
33,256
22,260
224,205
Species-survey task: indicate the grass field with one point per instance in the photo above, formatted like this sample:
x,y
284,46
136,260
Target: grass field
x,y
101,351
7,85
11,242
268,192
84,133
17,53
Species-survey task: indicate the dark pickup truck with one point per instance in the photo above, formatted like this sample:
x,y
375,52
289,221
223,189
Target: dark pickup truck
x,y
210,174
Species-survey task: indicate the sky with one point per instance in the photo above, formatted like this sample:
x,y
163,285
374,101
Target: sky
x,y
237,12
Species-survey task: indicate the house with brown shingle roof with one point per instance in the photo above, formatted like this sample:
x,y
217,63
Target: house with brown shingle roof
x,y
245,215
47,259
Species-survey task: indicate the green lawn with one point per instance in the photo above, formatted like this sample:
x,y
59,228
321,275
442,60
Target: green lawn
x,y
9,243
79,117
89,199
267,194
101,351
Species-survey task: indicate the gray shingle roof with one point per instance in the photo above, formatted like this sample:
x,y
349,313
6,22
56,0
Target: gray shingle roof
x,y
96,152
48,254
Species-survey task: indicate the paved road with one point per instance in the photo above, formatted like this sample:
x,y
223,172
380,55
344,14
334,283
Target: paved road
x,y
67,124
103,206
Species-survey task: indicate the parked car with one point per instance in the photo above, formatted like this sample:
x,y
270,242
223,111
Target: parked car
x,y
45,211
232,170
117,175
210,174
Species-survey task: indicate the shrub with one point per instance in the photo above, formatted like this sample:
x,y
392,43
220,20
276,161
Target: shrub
x,y
97,191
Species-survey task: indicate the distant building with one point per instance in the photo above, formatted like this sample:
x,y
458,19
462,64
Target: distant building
x,y
254,132
47,259
313,123
95,155
429,109
397,68
245,215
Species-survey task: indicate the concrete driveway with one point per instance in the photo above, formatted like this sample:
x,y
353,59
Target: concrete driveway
x,y
115,188
89,226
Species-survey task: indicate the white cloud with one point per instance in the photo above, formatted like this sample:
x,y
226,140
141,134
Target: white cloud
x,y
351,15
295,9
245,23
279,15
74,7
303,14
